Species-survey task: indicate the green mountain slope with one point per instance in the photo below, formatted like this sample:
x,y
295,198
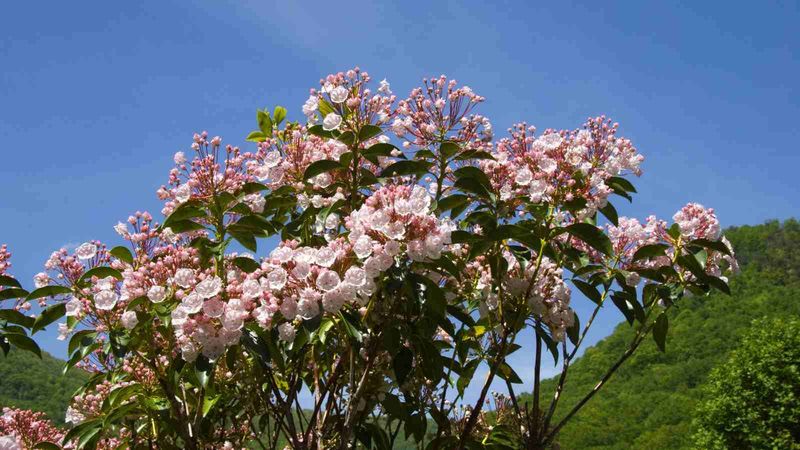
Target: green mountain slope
x,y
649,402
32,383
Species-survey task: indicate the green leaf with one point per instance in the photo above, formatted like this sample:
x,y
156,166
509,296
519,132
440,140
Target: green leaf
x,y
507,373
321,166
325,108
248,265
23,342
187,210
368,131
185,226
592,236
209,402
13,316
401,168
474,154
45,445
264,123
48,316
6,294
279,114
712,245
660,331
247,239
448,149
611,213
574,332
6,280
100,272
402,364
718,284
122,254
588,290
317,130
256,136
650,251
48,291
453,201
621,183
472,179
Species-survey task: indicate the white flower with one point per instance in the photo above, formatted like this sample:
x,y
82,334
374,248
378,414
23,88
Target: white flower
x,y
106,283
179,316
105,300
328,280
355,276
183,193
272,158
192,303
73,416
301,269
331,122
383,87
286,332
209,287
363,247
392,248
63,331
157,294
325,257
255,202
74,307
86,251
41,280
121,229
179,158
277,278
168,235
338,94
524,177
184,277
129,319
251,289
310,106
213,308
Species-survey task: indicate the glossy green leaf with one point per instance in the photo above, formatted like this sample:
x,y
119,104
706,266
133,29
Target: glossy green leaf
x,y
122,253
278,114
100,272
368,132
264,123
23,342
48,291
14,316
6,280
48,316
650,251
592,236
321,166
401,168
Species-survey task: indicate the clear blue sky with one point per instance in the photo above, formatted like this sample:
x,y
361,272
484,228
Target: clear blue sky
x,y
95,97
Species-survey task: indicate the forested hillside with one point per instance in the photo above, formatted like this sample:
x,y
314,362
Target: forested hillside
x,y
650,402
32,383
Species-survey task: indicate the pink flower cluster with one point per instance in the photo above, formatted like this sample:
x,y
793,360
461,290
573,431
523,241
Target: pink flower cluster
x,y
440,111
22,429
209,173
5,259
542,288
397,214
352,102
562,166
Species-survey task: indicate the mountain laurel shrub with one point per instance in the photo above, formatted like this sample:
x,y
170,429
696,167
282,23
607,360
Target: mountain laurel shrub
x,y
413,246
